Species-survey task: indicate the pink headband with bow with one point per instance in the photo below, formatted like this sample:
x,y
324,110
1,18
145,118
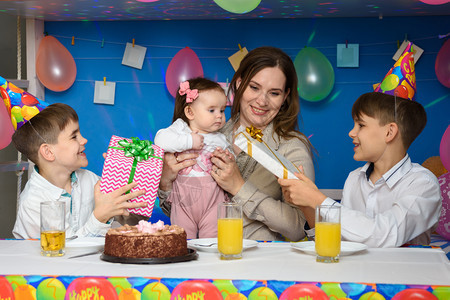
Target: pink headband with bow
x,y
191,95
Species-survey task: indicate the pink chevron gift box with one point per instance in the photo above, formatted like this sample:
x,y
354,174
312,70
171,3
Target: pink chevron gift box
x,y
129,160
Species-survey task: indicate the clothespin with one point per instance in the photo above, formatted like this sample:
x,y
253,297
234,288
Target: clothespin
x,y
103,42
240,48
226,85
398,44
104,81
133,43
73,40
346,43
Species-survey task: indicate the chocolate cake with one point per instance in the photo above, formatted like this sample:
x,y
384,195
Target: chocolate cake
x,y
146,240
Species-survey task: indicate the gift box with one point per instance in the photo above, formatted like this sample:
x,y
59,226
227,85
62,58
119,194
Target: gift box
x,y
133,160
251,142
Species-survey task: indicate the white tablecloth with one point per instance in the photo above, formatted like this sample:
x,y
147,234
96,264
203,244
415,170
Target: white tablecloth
x,y
267,261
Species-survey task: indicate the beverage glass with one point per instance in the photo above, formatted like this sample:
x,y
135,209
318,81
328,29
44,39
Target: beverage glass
x,y
229,230
328,233
53,235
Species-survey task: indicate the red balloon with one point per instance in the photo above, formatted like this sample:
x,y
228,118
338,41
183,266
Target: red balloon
x,y
6,290
55,66
414,294
401,91
28,99
91,288
183,66
304,291
442,65
196,289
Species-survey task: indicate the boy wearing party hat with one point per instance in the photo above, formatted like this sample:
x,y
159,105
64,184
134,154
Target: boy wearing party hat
x,y
51,139
389,201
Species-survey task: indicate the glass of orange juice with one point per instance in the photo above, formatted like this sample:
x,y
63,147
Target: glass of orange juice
x,y
328,233
229,230
53,234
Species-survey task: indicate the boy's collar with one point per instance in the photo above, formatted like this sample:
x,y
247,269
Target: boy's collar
x,y
73,176
394,174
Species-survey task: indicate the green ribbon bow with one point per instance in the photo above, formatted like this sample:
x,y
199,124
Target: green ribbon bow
x,y
140,150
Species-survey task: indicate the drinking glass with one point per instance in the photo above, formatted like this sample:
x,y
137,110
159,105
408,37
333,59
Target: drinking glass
x,y
229,230
53,235
328,233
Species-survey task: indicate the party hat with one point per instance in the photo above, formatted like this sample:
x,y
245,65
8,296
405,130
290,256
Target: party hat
x,y
401,79
21,105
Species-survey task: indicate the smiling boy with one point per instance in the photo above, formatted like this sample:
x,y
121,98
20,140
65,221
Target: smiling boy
x,y
389,201
53,141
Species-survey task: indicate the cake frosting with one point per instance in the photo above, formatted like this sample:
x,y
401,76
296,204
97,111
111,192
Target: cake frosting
x,y
146,240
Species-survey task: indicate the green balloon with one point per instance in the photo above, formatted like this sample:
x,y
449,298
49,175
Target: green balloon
x,y
315,74
238,6
390,82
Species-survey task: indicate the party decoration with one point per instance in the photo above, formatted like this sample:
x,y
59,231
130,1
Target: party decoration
x,y
20,106
183,66
55,66
444,220
414,294
155,291
416,50
238,6
6,290
306,291
196,289
104,92
134,56
263,293
401,79
133,160
347,55
236,58
435,2
50,289
444,148
315,74
442,65
96,288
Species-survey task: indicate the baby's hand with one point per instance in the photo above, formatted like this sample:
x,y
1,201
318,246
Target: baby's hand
x,y
197,141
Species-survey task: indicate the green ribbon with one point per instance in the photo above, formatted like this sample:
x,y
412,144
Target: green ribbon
x,y
140,150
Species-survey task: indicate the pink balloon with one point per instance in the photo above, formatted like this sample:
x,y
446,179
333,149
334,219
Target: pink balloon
x,y
442,65
435,2
6,127
444,148
55,66
183,66
444,220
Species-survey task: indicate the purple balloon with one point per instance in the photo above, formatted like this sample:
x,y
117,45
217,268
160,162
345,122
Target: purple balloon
x,y
442,65
183,66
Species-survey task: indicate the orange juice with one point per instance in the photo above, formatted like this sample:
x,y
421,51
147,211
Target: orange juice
x,y
328,239
53,242
229,236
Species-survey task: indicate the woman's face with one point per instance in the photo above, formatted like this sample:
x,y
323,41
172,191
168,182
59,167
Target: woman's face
x,y
262,98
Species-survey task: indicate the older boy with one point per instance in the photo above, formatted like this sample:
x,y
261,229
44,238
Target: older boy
x,y
52,140
389,201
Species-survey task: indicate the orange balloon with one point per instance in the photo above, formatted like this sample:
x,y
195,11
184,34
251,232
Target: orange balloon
x,y
55,66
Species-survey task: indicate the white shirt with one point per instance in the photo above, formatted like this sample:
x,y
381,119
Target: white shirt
x,y
401,207
177,138
80,219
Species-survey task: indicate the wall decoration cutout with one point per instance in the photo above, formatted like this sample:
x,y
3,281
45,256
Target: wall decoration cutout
x,y
416,50
134,56
237,57
347,56
55,66
104,92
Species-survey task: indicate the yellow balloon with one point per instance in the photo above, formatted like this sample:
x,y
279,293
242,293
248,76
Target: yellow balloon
x,y
29,111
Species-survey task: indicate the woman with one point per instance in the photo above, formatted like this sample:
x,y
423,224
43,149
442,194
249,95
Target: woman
x,y
265,96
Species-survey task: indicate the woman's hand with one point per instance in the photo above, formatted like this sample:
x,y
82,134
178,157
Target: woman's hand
x,y
173,163
226,172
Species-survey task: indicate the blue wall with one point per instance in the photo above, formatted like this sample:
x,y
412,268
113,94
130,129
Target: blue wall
x,y
143,105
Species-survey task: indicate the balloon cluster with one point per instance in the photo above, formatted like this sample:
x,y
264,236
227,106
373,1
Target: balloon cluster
x,y
21,106
315,74
401,79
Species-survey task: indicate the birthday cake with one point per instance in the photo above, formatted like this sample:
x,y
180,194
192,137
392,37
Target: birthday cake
x,y
146,240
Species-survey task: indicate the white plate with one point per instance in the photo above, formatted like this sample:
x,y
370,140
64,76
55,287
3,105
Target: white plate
x,y
202,244
86,243
347,248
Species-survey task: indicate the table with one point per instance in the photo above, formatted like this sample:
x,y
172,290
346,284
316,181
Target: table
x,y
268,262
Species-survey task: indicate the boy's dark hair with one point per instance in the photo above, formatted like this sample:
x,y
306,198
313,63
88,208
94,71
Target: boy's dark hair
x,y
410,116
199,83
45,127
